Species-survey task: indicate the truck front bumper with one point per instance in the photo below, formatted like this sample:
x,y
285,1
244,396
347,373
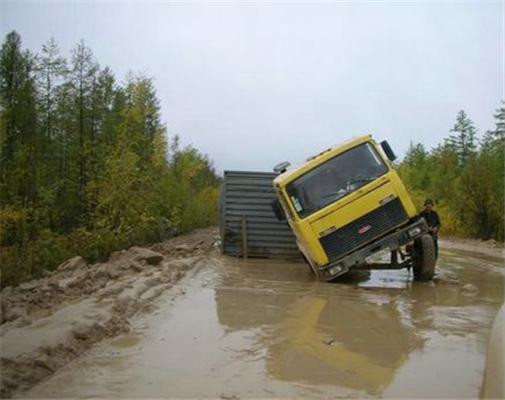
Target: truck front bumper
x,y
357,259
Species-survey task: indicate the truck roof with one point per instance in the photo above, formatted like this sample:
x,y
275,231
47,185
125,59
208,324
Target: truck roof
x,y
311,162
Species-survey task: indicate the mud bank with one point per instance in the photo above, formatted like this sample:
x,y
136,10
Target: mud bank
x,y
45,323
487,247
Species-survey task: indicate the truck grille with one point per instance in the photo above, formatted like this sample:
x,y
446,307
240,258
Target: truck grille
x,y
371,226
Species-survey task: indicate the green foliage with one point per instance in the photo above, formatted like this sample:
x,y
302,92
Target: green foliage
x,y
462,142
84,166
467,180
18,136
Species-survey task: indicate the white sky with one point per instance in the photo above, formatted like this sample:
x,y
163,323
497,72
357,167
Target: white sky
x,y
251,84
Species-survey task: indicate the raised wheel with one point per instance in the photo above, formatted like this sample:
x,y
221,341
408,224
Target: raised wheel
x,y
424,258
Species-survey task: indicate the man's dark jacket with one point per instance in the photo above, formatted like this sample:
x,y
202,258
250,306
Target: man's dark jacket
x,y
431,218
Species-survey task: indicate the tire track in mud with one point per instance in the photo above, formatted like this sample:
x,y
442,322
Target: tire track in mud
x,y
48,322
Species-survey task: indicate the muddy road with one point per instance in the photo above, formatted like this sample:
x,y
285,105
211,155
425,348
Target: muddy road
x,y
234,329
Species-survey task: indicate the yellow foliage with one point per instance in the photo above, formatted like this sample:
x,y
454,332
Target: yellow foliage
x,y
10,219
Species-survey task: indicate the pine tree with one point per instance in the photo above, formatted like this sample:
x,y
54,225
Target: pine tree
x,y
103,95
492,162
463,141
18,137
499,132
51,67
496,137
83,71
51,70
104,120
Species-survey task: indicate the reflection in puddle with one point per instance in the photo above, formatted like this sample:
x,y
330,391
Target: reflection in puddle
x,y
339,342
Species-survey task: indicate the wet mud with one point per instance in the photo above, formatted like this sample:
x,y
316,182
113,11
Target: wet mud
x,y
234,329
46,323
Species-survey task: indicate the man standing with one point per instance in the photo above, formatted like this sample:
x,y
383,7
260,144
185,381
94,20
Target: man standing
x,y
433,221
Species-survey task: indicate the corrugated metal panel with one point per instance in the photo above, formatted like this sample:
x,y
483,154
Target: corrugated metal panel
x,y
249,195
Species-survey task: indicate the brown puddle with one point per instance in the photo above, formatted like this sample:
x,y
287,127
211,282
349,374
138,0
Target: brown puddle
x,y
267,329
126,341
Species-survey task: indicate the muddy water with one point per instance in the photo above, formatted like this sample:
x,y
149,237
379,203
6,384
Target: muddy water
x,y
261,329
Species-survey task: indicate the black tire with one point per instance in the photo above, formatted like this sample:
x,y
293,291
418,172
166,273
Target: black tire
x,y
424,258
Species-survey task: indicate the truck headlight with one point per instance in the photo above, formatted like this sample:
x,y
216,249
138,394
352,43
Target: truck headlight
x,y
414,231
335,270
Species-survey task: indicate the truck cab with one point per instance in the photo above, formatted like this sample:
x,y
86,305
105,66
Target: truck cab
x,y
347,203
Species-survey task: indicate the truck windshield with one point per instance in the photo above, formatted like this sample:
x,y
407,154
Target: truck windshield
x,y
335,179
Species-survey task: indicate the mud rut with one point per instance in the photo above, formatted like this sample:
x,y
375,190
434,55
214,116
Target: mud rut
x,y
231,328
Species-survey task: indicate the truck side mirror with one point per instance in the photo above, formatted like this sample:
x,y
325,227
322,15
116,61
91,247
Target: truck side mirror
x,y
388,150
278,211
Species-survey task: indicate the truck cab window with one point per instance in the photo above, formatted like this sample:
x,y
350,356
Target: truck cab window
x,y
336,178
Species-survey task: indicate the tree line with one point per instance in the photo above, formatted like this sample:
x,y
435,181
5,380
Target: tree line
x,y
85,164
465,176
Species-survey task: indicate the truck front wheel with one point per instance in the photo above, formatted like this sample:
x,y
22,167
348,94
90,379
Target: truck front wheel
x,y
424,258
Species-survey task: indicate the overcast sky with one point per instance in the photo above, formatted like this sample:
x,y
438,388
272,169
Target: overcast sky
x,y
251,84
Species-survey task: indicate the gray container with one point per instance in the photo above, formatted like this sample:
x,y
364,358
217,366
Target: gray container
x,y
247,222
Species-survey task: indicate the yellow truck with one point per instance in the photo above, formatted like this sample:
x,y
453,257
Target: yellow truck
x,y
347,203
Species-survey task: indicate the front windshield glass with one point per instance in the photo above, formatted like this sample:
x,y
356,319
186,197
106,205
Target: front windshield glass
x,y
335,178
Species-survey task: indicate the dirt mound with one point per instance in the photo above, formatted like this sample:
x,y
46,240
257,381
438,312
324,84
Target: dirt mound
x,y
488,247
47,322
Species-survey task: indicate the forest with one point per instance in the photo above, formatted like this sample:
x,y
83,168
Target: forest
x,y
86,166
464,175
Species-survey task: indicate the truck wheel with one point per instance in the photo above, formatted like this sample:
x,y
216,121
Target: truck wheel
x,y
424,258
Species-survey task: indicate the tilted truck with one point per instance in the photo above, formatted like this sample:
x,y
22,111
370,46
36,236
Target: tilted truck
x,y
346,204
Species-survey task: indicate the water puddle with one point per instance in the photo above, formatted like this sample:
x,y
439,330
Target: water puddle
x,y
268,329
